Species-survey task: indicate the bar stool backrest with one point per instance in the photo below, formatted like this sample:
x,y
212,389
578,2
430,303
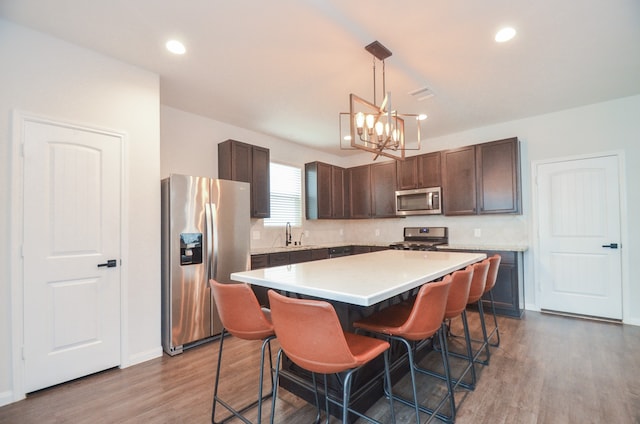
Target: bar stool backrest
x,y
428,311
458,292
480,270
492,275
240,312
310,334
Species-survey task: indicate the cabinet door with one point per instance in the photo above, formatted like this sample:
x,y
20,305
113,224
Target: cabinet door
x,y
319,187
337,192
360,192
383,189
234,161
297,256
238,161
323,190
428,170
317,254
407,171
279,258
459,181
260,188
509,285
498,175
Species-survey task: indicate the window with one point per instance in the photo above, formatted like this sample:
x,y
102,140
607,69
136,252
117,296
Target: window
x,y
286,195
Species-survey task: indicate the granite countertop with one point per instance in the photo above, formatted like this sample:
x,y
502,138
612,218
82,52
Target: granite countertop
x,y
457,246
277,249
504,247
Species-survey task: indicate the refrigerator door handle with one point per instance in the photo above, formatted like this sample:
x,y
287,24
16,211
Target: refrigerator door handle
x,y
214,230
209,230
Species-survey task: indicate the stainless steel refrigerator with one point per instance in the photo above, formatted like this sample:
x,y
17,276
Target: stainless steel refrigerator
x,y
205,234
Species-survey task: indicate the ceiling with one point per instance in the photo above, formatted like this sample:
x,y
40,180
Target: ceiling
x,y
286,67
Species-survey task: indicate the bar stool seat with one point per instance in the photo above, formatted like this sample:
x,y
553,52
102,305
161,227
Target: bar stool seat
x,y
242,317
310,334
416,323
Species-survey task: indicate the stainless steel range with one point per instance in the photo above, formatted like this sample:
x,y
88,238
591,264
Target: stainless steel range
x,y
422,238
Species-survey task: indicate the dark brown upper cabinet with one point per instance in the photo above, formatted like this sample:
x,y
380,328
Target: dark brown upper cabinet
x,y
240,161
360,191
338,198
482,179
383,189
372,190
325,191
459,181
498,177
420,171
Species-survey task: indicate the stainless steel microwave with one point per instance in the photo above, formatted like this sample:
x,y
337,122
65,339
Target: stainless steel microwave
x,y
420,201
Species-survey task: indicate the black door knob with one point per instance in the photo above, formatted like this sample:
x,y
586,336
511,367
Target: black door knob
x,y
111,263
611,245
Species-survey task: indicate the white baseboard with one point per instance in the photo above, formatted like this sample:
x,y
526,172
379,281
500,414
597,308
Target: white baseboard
x,y
8,397
141,357
531,307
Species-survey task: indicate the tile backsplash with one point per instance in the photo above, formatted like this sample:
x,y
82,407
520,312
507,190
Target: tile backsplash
x,y
463,230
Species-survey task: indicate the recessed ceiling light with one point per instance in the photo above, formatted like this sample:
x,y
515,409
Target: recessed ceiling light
x,y
422,117
505,34
176,47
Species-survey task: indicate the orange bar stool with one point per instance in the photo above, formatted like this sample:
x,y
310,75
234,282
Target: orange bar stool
x,y
456,306
484,279
492,276
310,334
478,284
418,323
243,318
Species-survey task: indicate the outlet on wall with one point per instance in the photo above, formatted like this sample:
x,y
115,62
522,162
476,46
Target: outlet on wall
x,y
477,232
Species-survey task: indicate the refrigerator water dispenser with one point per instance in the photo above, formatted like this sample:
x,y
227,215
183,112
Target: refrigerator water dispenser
x,y
190,248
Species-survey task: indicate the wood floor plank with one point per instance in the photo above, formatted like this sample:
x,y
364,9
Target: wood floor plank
x,y
548,369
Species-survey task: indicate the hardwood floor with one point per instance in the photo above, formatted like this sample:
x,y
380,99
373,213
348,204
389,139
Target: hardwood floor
x,y
548,369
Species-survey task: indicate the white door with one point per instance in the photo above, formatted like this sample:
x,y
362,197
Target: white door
x,y
579,233
71,226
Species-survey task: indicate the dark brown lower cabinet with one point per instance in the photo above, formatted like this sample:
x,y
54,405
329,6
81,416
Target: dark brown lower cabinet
x,y
508,293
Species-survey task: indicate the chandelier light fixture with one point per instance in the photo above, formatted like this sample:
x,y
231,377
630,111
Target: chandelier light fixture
x,y
378,128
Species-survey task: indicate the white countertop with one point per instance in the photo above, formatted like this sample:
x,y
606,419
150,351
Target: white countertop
x,y
362,280
469,246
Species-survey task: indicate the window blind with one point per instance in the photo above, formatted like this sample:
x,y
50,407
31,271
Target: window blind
x,y
286,195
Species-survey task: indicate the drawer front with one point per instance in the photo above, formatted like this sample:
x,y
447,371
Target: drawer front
x,y
298,256
280,258
317,254
259,261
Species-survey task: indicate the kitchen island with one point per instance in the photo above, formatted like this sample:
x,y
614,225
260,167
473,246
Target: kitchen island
x,y
357,286
362,280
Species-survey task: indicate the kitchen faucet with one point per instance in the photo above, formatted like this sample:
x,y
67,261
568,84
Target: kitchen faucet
x,y
287,234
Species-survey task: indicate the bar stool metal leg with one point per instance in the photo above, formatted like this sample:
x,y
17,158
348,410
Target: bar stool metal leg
x,y
237,413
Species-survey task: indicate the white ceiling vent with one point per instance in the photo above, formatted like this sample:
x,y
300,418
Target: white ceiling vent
x,y
422,93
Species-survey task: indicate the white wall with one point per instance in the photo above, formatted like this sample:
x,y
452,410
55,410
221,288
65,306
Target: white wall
x,y
44,76
602,127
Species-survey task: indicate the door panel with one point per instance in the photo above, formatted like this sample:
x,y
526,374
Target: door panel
x,y
71,224
579,213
